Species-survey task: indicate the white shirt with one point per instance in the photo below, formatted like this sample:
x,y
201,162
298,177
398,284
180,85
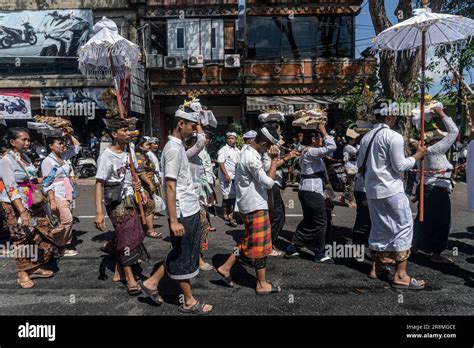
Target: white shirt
x,y
64,171
151,155
207,165
252,182
349,153
311,161
115,167
175,165
230,157
436,158
267,162
385,162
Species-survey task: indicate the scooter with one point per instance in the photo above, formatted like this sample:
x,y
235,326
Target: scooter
x,y
64,35
85,165
21,106
15,36
337,176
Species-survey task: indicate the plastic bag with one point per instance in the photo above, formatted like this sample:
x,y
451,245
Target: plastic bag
x,y
159,204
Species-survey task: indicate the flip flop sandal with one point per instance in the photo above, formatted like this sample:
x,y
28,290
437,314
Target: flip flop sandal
x,y
206,267
412,285
152,294
198,309
227,280
444,260
41,273
212,229
155,235
274,290
25,284
134,290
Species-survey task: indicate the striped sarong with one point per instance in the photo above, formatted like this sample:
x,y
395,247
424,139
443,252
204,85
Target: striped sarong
x,y
257,241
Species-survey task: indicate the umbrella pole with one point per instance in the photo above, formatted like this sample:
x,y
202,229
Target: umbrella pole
x,y
422,133
132,165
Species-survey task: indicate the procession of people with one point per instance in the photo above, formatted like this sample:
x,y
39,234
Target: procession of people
x,y
136,186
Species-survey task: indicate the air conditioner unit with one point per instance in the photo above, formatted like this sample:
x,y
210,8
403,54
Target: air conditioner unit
x,y
154,61
196,61
232,61
173,63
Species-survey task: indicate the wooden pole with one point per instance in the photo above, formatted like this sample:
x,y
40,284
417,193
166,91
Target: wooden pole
x,y
132,165
422,111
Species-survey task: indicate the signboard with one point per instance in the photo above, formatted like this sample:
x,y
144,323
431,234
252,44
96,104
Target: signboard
x,y
138,90
73,101
15,104
53,33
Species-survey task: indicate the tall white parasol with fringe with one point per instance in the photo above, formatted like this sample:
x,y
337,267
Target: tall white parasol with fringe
x,y
109,55
424,29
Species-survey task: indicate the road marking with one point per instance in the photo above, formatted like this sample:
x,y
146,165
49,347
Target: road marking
x,y
93,216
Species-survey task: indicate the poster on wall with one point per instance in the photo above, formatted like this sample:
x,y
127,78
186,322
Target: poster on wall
x,y
53,33
15,104
73,101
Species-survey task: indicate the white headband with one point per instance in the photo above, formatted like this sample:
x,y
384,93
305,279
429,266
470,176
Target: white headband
x,y
231,134
268,135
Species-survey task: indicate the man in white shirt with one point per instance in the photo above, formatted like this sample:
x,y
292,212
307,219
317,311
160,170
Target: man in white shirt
x,y
227,158
391,232
182,203
252,185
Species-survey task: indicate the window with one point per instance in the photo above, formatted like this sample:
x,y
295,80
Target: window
x,y
179,37
213,38
301,37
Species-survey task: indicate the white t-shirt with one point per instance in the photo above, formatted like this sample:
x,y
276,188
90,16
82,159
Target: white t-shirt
x,y
350,161
175,165
115,167
230,157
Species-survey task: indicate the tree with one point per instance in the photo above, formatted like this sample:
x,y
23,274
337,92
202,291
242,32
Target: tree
x,y
398,73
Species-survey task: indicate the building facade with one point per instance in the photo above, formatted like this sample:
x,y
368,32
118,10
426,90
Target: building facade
x,y
244,57
39,41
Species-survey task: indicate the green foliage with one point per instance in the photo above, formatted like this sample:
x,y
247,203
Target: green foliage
x,y
237,128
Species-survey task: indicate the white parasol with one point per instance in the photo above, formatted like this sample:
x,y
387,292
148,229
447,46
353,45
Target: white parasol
x,y
424,29
109,55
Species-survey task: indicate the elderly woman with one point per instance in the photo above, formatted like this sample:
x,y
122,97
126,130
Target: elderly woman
x,y
23,206
431,236
146,172
58,168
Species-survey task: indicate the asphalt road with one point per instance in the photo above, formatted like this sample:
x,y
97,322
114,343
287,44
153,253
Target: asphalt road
x,y
83,284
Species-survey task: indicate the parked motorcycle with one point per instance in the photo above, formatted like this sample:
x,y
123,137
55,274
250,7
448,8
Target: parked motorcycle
x,y
85,166
20,105
14,36
337,176
64,34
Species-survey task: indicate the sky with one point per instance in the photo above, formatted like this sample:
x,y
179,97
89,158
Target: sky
x,y
365,32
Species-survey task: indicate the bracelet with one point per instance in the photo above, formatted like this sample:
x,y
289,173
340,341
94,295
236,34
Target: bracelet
x,y
24,211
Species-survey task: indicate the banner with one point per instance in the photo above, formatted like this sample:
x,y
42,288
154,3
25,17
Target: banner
x,y
15,104
73,101
54,33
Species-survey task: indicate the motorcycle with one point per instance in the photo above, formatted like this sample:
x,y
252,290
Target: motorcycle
x,y
337,176
64,35
85,166
15,36
21,106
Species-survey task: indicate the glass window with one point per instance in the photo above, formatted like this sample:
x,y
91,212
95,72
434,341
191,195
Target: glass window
x,y
300,37
179,37
213,38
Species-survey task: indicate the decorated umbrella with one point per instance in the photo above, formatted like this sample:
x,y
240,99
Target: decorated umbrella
x,y
109,55
424,29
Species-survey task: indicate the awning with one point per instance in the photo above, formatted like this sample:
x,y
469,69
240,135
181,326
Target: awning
x,y
288,104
